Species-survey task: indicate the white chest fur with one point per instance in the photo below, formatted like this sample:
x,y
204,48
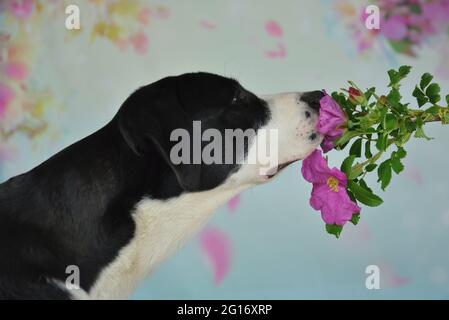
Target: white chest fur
x,y
161,228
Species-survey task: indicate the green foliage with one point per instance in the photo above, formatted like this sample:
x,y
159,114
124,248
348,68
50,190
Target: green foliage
x,y
384,173
355,219
383,122
334,229
364,195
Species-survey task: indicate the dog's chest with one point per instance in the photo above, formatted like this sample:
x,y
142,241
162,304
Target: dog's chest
x,y
161,228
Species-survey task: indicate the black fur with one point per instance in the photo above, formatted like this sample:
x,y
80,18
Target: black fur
x,y
75,208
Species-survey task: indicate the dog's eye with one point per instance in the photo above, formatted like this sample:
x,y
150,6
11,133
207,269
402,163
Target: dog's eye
x,y
235,99
238,96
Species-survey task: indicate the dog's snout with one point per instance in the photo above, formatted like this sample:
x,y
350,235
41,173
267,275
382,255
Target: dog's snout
x,y
312,98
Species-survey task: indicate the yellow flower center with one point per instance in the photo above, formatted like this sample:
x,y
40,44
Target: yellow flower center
x,y
332,182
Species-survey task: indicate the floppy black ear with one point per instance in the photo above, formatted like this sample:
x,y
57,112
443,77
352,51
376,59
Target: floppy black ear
x,y
146,120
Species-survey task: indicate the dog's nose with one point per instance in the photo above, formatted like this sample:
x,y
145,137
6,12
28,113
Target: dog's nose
x,y
312,98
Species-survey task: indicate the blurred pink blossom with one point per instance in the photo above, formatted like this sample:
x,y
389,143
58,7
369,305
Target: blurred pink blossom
x,y
394,28
217,249
144,15
280,53
273,29
16,71
206,24
140,42
6,95
21,9
233,203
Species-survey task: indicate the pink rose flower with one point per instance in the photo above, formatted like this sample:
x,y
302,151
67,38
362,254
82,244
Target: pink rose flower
x,y
329,193
329,122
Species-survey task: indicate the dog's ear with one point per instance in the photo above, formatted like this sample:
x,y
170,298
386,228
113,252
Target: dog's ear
x,y
147,119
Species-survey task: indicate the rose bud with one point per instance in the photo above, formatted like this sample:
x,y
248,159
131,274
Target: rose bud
x,y
356,96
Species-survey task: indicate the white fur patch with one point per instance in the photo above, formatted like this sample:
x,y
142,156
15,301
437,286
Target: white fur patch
x,y
162,227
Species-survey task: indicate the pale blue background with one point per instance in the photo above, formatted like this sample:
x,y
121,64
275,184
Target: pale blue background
x,y
280,248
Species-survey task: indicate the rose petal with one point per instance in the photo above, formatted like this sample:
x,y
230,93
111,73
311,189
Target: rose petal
x,y
331,116
335,205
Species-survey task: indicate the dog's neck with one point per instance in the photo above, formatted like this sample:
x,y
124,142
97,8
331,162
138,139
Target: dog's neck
x,y
162,227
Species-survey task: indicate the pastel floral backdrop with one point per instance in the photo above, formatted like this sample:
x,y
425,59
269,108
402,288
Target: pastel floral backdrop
x,y
58,85
408,28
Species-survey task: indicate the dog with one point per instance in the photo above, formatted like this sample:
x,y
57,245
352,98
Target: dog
x,y
115,205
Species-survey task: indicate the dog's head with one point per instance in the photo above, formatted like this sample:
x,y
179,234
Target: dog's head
x,y
209,129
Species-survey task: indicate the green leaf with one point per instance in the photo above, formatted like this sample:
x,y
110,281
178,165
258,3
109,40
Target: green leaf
x,y
420,130
434,110
384,173
397,76
418,92
371,167
348,135
410,125
425,80
339,98
390,122
394,77
433,89
368,153
422,101
404,139
334,229
369,93
347,164
394,97
434,99
364,196
421,134
397,165
355,218
401,153
363,184
420,97
351,195
356,171
381,143
404,71
447,100
356,148
433,93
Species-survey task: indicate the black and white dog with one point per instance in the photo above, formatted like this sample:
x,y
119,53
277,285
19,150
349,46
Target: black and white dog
x,y
115,205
